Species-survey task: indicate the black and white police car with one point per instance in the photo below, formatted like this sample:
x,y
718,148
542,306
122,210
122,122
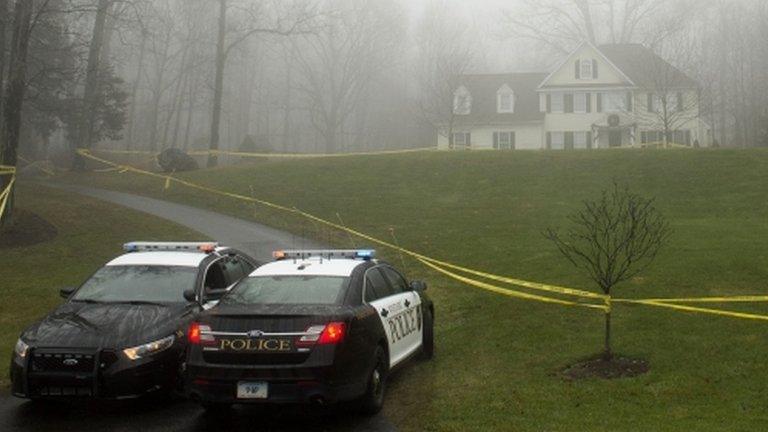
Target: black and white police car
x,y
121,333
311,327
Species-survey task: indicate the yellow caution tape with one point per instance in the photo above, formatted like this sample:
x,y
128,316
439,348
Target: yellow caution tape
x,y
511,281
442,266
7,169
729,299
695,309
6,193
509,292
273,155
127,152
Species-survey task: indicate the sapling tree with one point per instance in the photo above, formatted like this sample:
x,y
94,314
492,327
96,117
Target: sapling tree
x,y
612,239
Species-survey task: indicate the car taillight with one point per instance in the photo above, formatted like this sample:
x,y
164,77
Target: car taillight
x,y
333,333
198,334
328,334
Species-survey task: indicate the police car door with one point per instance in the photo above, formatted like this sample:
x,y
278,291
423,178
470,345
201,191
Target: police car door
x,y
390,306
409,322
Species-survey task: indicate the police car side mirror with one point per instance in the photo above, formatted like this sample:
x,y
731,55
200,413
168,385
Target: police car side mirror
x,y
213,294
418,285
66,292
189,295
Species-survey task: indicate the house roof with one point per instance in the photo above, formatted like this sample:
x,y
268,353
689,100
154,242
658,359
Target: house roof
x,y
645,68
483,88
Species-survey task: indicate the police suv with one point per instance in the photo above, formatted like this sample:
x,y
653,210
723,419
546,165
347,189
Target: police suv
x,y
121,333
312,326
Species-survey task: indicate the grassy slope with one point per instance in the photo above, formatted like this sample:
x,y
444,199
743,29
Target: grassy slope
x,y
498,359
90,233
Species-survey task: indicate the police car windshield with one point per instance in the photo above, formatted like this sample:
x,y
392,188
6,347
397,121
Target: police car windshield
x,y
287,290
138,283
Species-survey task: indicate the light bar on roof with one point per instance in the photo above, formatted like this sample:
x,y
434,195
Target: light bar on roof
x,y
364,254
138,246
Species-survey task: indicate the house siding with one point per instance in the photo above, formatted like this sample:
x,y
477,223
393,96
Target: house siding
x,y
633,120
606,74
527,136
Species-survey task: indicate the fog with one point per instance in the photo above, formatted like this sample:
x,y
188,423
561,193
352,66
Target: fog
x,y
529,160
326,76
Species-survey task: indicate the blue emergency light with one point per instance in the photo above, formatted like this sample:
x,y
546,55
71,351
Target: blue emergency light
x,y
364,254
137,246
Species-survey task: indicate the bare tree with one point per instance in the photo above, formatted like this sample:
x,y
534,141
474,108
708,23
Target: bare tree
x,y
4,22
278,20
338,64
612,240
559,25
669,99
90,94
135,85
26,12
445,54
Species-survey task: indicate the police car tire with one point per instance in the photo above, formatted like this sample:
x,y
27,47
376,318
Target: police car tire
x,y
428,336
373,399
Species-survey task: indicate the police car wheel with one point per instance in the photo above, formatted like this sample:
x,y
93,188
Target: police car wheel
x,y
373,399
428,336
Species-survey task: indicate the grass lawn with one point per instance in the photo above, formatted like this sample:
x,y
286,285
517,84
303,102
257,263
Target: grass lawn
x,y
499,359
90,233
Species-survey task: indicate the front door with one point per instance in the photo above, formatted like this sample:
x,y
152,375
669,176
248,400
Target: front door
x,y
614,138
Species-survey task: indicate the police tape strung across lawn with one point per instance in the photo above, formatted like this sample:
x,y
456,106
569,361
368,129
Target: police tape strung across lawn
x,y
272,155
527,284
5,195
442,266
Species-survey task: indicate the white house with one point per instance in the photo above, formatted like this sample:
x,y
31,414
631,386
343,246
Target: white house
x,y
598,97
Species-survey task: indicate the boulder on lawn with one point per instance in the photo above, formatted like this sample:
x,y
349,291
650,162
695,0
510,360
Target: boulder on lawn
x,y
174,160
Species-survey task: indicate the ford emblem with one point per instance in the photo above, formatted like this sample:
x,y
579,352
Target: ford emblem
x,y
70,362
255,333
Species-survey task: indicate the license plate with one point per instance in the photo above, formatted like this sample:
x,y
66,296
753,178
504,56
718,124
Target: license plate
x,y
252,390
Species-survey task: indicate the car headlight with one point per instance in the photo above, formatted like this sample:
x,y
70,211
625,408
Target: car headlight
x,y
21,349
150,348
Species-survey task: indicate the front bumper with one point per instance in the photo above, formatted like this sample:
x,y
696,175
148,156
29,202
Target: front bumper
x,y
103,374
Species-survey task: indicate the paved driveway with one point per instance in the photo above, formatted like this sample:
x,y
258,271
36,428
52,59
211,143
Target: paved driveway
x,y
154,415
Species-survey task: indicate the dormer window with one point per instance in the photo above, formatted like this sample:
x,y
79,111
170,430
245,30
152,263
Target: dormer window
x,y
462,101
505,100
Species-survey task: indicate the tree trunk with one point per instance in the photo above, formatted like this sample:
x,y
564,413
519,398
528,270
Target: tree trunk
x,y
135,88
607,351
190,111
179,111
178,96
331,127
218,87
4,21
287,104
14,97
90,94
584,9
157,95
154,116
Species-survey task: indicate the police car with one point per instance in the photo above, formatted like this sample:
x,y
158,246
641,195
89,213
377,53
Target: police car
x,y
311,327
121,333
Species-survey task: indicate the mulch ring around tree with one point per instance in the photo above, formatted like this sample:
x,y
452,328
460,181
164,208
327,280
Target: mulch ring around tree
x,y
25,229
599,367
